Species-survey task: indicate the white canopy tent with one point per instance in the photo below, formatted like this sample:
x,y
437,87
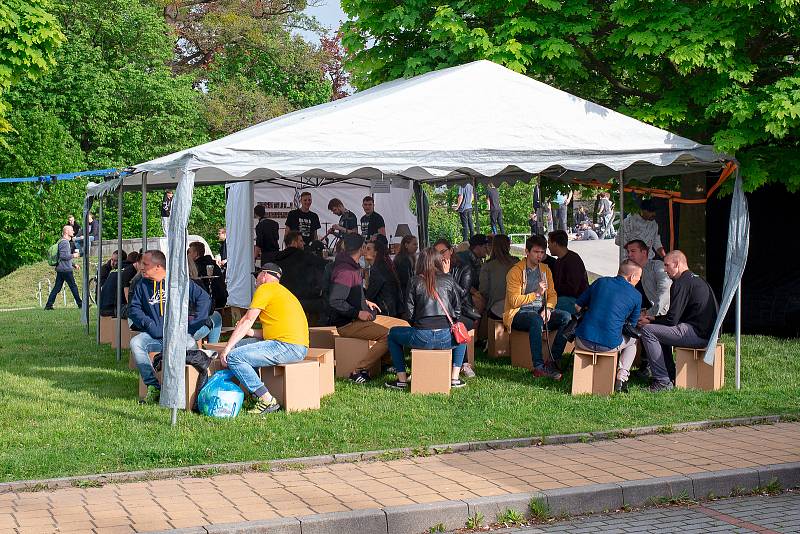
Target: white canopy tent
x,y
478,121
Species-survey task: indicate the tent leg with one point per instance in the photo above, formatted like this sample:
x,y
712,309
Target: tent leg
x,y
173,419
739,336
99,264
620,231
475,209
144,212
119,275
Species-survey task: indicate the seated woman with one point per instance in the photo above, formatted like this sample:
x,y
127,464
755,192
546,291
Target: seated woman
x,y
429,291
382,285
462,274
493,276
404,264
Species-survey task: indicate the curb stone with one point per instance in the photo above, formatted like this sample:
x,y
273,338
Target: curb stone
x,y
724,483
288,463
416,518
287,525
641,492
584,499
491,507
342,522
787,475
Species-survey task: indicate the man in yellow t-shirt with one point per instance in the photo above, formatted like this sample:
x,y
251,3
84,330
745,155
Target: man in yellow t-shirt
x,y
284,332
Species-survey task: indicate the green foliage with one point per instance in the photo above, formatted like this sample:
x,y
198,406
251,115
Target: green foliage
x,y
723,71
475,521
510,518
29,37
539,509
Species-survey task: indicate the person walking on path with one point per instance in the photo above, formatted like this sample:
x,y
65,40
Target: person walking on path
x,y
495,209
562,202
166,209
464,209
64,269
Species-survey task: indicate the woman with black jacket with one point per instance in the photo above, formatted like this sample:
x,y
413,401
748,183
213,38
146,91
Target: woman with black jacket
x,y
382,286
404,264
428,292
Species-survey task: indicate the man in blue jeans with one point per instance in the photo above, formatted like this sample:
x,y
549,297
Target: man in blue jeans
x,y
531,304
284,332
464,209
146,314
609,303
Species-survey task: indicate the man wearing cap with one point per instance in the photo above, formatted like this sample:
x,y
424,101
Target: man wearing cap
x,y
284,336
352,314
641,226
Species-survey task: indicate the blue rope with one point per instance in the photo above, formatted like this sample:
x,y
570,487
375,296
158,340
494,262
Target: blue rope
x,y
64,176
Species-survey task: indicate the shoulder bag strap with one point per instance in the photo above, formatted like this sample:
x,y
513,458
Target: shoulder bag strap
x,y
439,300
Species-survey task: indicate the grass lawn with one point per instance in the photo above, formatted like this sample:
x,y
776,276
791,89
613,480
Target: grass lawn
x,y
18,289
69,408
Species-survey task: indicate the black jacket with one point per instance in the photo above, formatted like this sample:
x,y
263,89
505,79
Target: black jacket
x,y
346,293
404,268
267,239
424,311
462,274
302,272
384,289
691,301
216,287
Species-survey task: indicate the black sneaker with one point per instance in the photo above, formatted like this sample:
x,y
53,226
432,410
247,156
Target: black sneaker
x,y
396,384
656,387
262,407
458,383
359,377
621,386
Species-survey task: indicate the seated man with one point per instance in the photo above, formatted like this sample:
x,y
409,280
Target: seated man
x,y
473,258
211,276
688,323
655,284
530,304
284,332
569,274
610,303
352,314
146,314
111,265
108,291
302,272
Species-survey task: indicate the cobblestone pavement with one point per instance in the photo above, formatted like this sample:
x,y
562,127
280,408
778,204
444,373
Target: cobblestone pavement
x,y
767,515
194,502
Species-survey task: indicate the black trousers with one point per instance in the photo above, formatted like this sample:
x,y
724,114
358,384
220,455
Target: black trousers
x,y
62,277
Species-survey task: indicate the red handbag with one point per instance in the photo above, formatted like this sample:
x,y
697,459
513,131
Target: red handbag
x,y
458,329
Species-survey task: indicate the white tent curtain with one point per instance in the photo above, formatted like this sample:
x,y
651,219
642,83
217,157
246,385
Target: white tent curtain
x,y
239,243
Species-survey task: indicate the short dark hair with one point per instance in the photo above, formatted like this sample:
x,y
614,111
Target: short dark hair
x,y
638,242
260,210
335,203
290,237
559,237
368,198
648,205
536,241
352,243
157,257
198,247
305,194
133,257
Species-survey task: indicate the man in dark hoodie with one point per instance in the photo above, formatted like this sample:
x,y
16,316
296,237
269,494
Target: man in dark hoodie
x,y
302,272
146,314
352,314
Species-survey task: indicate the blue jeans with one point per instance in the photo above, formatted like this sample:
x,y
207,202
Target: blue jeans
x,y
496,221
467,228
213,332
64,277
251,353
531,322
141,347
416,338
79,243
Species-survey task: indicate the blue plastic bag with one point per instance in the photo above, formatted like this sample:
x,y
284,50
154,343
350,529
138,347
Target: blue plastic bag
x,y
220,397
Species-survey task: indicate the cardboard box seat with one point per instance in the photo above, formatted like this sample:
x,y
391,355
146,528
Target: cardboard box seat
x,y
692,372
431,370
594,372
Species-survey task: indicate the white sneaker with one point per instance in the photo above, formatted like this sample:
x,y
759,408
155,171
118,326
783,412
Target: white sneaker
x,y
467,371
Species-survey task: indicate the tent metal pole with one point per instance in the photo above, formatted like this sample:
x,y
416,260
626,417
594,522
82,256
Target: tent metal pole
x,y
85,275
144,212
476,206
621,213
173,419
420,214
739,336
119,274
99,263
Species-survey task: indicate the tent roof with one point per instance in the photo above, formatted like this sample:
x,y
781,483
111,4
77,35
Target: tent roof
x,y
478,119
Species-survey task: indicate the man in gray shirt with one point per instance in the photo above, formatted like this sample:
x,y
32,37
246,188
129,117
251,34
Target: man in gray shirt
x,y
655,283
64,269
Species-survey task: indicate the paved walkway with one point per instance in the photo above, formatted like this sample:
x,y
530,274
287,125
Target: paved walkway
x,y
176,503
765,515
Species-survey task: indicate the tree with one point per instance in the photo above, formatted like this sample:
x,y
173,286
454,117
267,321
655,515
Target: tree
x,y
29,37
722,71
333,67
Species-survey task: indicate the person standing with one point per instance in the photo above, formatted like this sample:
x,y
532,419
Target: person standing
x,y
372,223
222,237
562,202
464,209
606,215
92,230
64,269
495,209
348,224
76,230
642,226
166,210
303,220
266,235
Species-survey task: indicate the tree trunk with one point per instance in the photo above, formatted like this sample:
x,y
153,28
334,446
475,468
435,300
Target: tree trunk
x,y
692,226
